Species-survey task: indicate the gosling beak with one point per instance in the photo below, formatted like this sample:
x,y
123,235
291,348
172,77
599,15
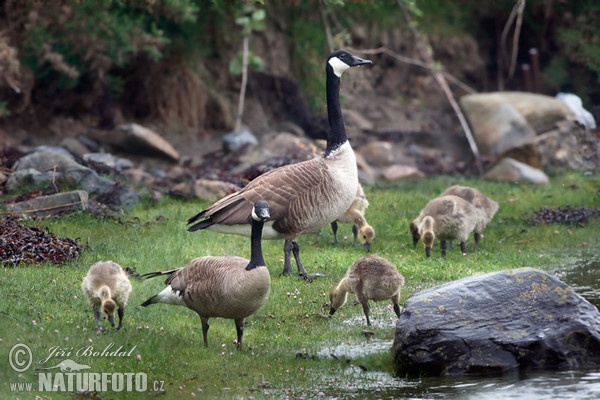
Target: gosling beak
x,y
111,319
367,247
331,311
428,251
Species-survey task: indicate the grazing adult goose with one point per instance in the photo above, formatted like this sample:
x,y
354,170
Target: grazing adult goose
x,y
107,289
304,197
229,287
355,215
369,278
480,201
445,218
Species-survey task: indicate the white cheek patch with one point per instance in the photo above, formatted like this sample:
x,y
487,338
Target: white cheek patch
x,y
338,66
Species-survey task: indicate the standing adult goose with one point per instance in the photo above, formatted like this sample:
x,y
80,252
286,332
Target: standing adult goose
x,y
445,218
227,287
107,289
304,197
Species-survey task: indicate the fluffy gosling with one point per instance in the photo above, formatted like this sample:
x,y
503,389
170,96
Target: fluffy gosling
x,y
487,205
107,288
445,218
355,215
369,278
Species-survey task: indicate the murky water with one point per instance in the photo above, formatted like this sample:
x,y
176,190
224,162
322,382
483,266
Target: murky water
x,y
358,383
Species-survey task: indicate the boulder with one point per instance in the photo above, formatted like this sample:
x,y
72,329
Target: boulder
x,y
44,167
136,139
504,120
497,323
511,170
44,206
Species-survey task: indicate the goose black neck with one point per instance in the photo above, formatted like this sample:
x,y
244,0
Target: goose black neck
x,y
337,133
256,255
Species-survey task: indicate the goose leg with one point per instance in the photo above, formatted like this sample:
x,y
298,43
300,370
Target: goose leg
x,y
334,228
463,248
205,327
239,328
287,252
477,238
296,251
443,247
367,310
97,318
121,314
355,233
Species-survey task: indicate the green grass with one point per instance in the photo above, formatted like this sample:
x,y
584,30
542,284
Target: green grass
x,y
287,343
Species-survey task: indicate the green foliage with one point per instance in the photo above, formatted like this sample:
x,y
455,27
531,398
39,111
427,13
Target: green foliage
x,y
289,342
4,111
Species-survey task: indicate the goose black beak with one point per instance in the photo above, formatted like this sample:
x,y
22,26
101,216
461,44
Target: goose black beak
x,y
111,319
357,61
428,251
367,247
331,311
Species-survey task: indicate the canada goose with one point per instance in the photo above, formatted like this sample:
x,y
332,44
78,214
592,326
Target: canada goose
x,y
355,215
107,288
480,201
445,218
369,278
227,287
304,197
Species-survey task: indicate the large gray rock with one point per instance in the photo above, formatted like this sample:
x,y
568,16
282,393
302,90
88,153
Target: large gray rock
x,y
136,139
44,206
40,168
497,323
511,170
501,121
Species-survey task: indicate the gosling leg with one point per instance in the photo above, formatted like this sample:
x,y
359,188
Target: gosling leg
x,y
121,314
443,247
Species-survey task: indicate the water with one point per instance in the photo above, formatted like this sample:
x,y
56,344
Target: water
x,y
359,383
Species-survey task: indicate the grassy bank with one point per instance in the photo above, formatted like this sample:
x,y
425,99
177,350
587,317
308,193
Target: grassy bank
x,y
288,344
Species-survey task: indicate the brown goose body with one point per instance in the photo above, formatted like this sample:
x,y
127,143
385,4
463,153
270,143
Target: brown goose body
x,y
228,287
355,215
369,278
304,197
445,218
107,289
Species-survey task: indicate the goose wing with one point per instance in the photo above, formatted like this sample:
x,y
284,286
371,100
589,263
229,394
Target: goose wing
x,y
282,187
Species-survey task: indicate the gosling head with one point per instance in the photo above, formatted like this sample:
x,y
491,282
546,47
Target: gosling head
x,y
108,309
428,236
342,60
366,235
337,298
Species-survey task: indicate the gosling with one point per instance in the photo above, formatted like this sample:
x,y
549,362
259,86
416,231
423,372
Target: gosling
x,y
229,287
369,278
355,215
487,205
445,218
107,288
